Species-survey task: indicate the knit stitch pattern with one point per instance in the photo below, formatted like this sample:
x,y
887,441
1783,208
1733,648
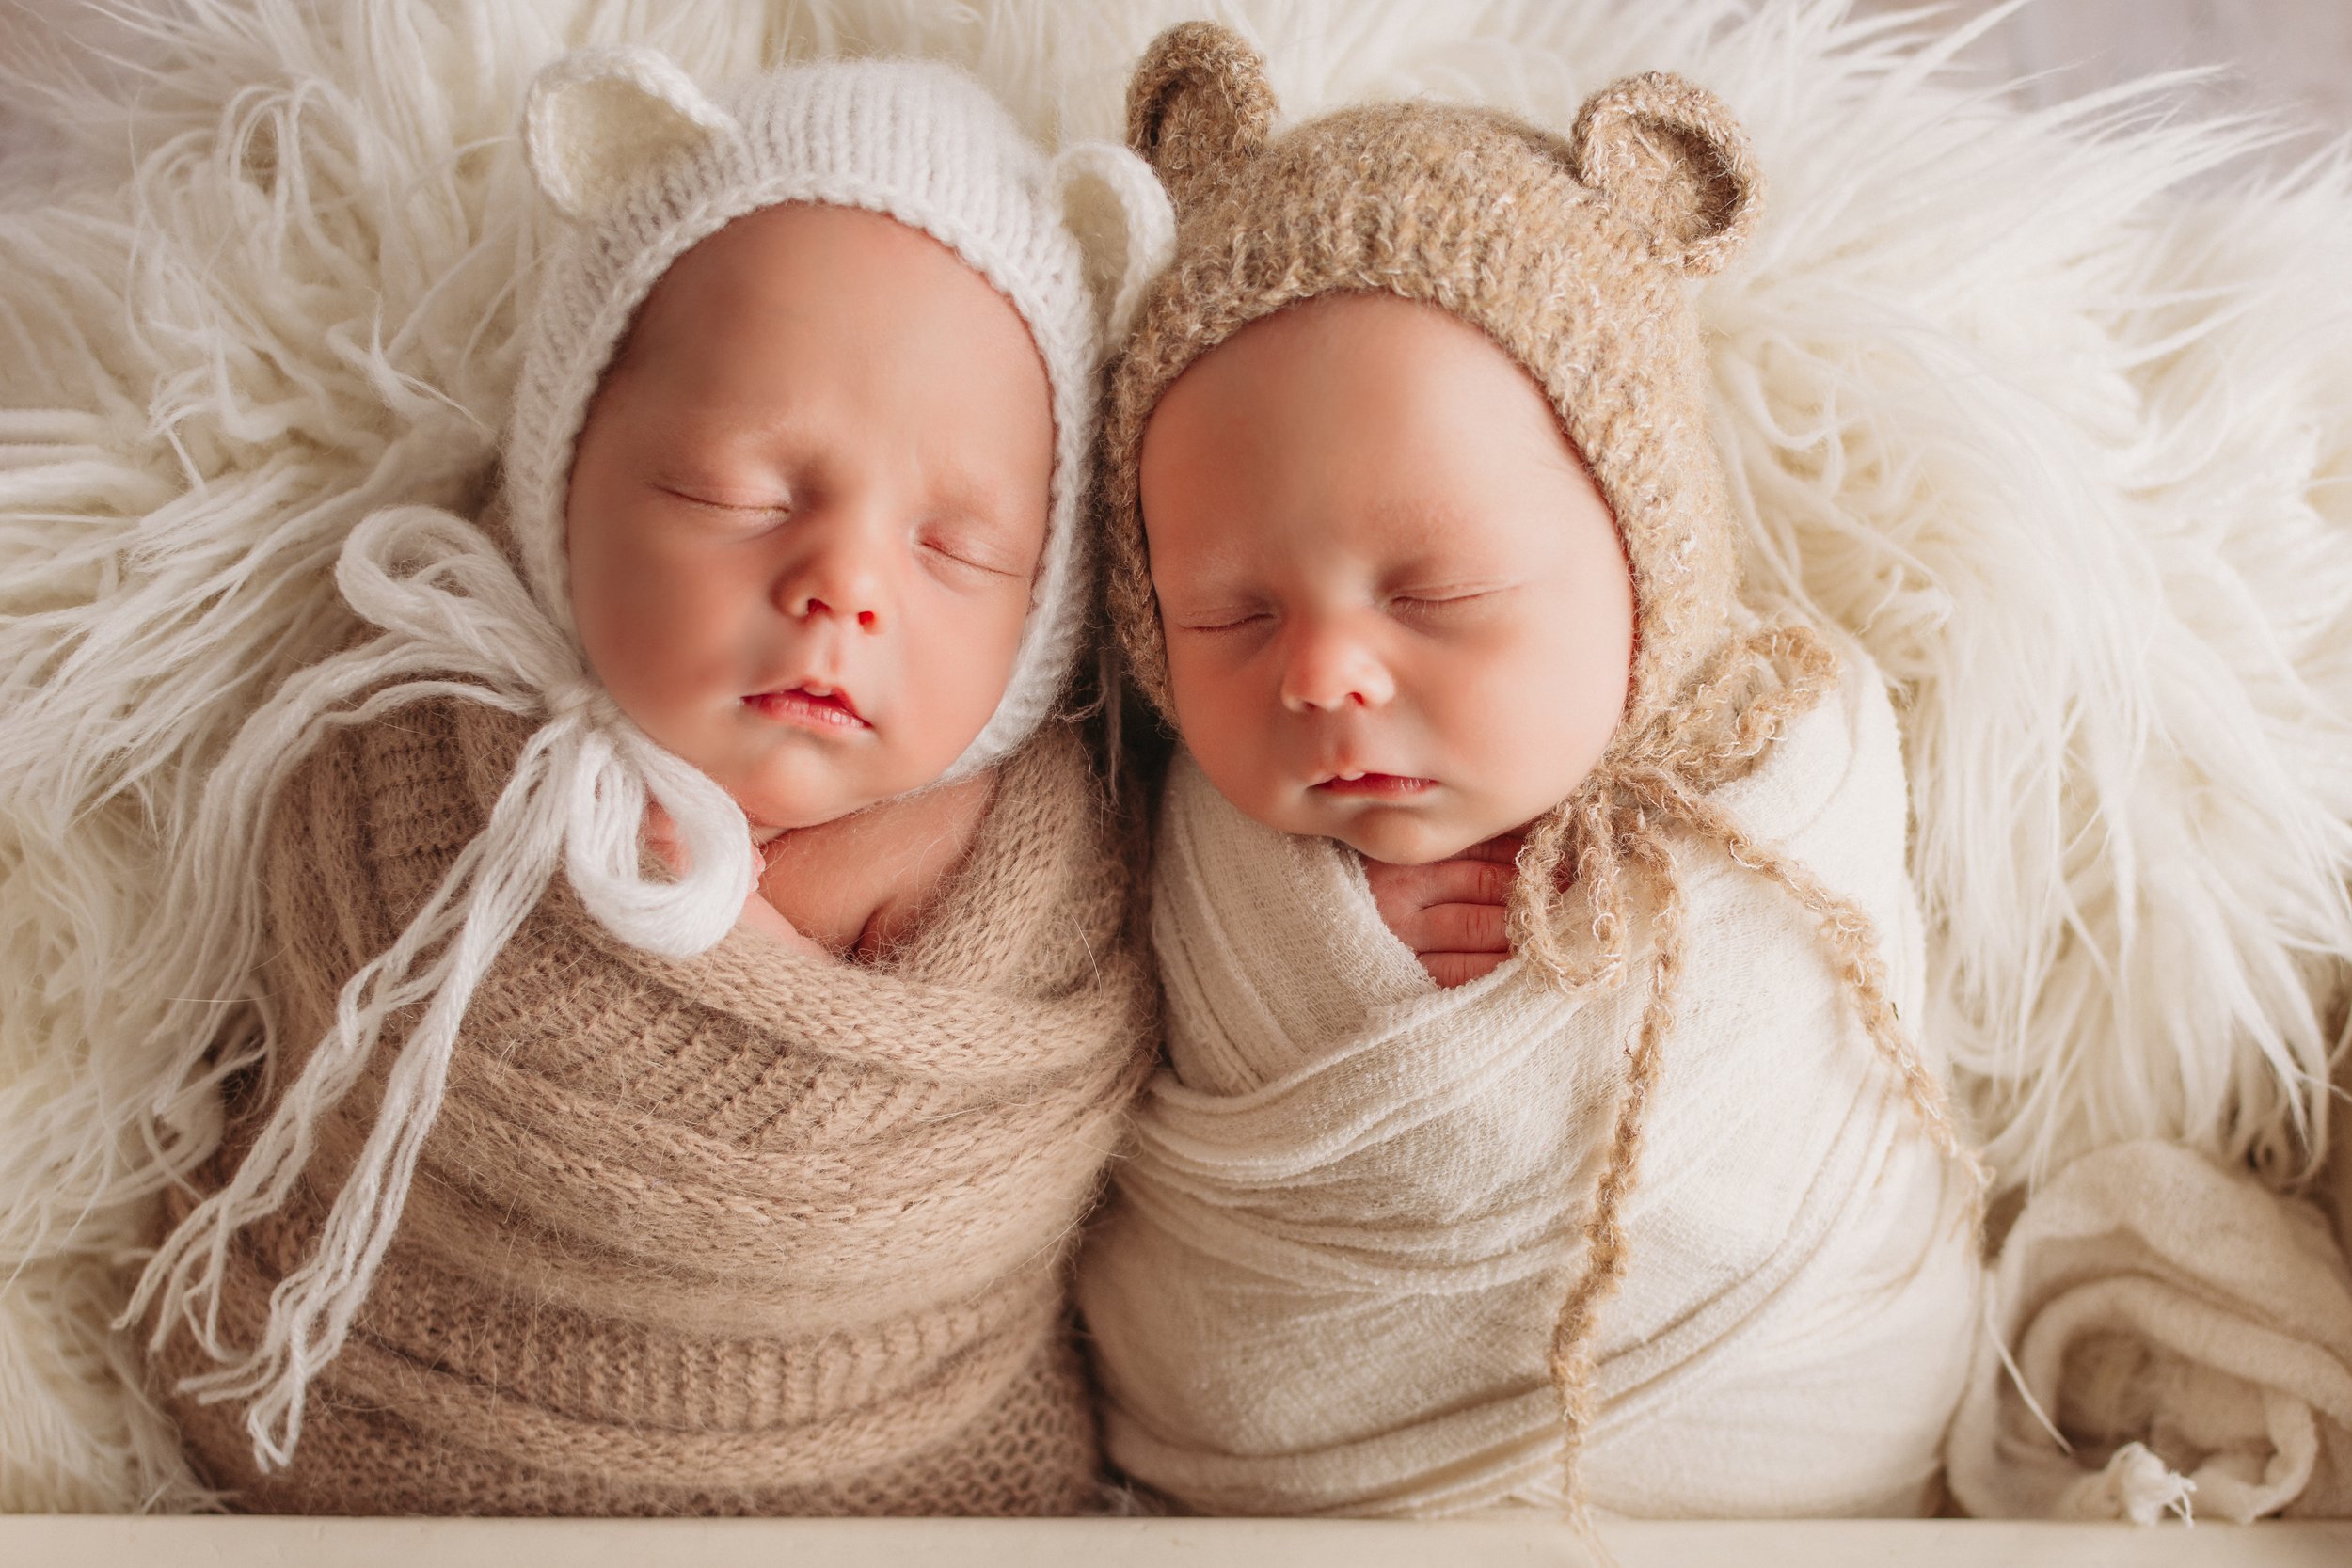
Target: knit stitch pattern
x,y
749,1233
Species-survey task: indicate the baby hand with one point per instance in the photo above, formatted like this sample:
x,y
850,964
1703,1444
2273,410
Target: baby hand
x,y
762,916
758,914
1450,913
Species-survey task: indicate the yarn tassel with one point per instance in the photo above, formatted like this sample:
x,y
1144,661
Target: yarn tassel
x,y
1573,1332
449,603
499,877
1728,720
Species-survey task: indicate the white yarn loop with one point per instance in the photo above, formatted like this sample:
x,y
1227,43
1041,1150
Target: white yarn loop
x,y
450,605
2137,1485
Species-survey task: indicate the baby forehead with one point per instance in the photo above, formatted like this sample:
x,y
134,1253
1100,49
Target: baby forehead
x,y
1371,319
818,268
1360,391
1360,430
1377,357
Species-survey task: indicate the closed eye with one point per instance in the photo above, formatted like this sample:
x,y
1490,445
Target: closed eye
x,y
1442,601
1218,620
979,554
761,507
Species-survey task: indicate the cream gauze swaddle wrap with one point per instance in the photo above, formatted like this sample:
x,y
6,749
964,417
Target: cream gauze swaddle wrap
x,y
1331,1269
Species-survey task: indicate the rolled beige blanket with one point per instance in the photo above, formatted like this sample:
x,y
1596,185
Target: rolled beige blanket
x,y
1329,1274
2336,1176
749,1232
2186,1330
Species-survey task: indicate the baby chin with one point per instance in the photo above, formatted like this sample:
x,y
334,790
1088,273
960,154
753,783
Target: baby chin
x,y
1402,821
785,776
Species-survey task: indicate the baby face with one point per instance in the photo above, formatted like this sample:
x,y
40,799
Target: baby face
x,y
1396,609
806,507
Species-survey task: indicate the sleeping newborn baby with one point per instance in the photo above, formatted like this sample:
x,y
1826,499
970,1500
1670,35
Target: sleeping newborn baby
x,y
1541,1124
735,1169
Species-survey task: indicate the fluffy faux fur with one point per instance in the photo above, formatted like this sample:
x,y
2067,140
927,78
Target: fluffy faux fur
x,y
2068,449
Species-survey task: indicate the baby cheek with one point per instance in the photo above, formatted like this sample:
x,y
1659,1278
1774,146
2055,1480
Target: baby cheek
x,y
1582,707
1531,719
671,636
1228,716
958,660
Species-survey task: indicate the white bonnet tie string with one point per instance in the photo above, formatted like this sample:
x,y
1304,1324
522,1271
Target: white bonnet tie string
x,y
455,615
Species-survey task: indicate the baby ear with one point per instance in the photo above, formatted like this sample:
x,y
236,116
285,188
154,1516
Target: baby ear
x,y
1668,155
595,121
1112,202
1197,107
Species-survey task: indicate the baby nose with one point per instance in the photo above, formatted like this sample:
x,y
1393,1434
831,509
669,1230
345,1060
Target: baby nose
x,y
1326,672
842,583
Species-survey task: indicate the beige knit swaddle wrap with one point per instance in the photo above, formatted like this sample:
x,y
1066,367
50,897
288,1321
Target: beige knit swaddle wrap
x,y
1330,1275
747,1232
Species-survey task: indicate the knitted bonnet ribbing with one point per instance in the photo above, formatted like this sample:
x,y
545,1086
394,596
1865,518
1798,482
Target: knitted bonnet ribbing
x,y
1569,256
646,166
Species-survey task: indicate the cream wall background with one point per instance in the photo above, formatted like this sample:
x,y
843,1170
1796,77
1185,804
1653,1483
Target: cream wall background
x,y
2289,57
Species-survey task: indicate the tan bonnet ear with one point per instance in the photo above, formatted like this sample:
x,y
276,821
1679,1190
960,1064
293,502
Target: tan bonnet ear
x,y
1199,106
1667,153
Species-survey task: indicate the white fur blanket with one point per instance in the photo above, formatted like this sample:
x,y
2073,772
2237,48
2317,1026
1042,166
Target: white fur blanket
x,y
2068,451
1329,1274
2188,1331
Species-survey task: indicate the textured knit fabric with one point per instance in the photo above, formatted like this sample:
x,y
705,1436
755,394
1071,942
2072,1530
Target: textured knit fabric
x,y
645,166
2190,1331
1328,1277
2335,1184
745,1233
1571,257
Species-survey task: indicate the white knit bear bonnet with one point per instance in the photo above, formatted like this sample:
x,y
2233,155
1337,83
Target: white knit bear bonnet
x,y
627,146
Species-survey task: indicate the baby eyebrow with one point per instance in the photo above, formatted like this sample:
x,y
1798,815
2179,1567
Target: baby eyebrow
x,y
953,494
1422,523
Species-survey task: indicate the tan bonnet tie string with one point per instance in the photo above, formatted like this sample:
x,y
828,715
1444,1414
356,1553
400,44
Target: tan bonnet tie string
x,y
1657,782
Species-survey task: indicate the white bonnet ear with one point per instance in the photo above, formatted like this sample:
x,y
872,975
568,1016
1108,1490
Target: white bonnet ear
x,y
1114,206
597,119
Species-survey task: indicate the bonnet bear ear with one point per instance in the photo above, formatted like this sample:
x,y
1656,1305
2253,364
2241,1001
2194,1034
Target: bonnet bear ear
x,y
1667,153
1197,107
595,121
1125,228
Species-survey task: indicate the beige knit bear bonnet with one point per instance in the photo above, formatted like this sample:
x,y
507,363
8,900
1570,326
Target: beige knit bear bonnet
x,y
1572,255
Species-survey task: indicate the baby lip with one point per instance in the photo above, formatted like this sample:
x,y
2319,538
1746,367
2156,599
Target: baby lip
x,y
821,694
825,693
1366,780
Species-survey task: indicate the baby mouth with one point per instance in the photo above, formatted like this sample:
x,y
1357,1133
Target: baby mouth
x,y
811,704
1383,786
